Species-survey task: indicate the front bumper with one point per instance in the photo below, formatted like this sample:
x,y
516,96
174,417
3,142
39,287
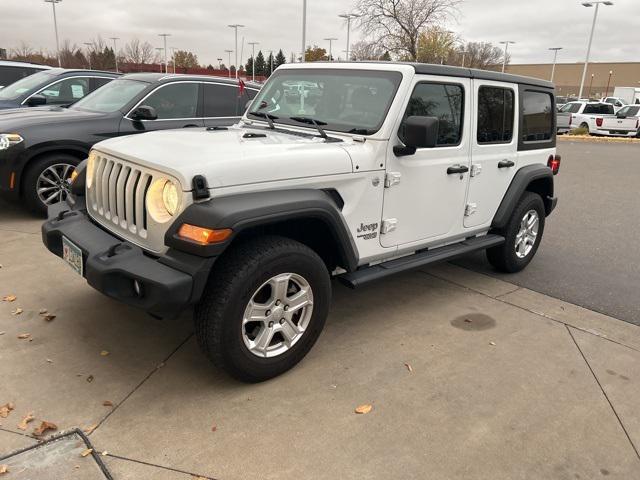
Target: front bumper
x,y
166,286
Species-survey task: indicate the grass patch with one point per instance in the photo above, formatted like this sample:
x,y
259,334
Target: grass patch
x,y
579,131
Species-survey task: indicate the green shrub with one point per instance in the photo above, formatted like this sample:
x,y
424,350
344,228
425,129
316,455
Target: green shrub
x,y
579,131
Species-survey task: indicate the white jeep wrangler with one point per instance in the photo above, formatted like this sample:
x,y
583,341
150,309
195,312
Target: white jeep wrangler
x,y
355,171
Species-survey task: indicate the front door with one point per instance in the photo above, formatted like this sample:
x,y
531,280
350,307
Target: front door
x,y
426,192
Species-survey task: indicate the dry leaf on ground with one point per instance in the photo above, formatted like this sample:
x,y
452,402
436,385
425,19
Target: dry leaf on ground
x,y
105,453
104,353
6,409
2,333
89,430
42,311
44,426
9,298
4,469
23,425
199,478
90,378
48,318
214,427
409,367
24,336
493,344
107,403
364,409
17,311
86,452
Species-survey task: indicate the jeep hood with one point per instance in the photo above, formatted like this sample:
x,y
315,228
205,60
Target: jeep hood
x,y
236,156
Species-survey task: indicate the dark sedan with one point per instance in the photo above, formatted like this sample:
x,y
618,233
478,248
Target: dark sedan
x,y
40,147
56,86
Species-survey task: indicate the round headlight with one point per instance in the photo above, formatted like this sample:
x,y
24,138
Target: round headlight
x,y
163,200
91,167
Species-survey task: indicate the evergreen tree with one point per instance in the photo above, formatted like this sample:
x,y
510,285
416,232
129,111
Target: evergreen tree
x,y
280,59
249,67
270,62
261,65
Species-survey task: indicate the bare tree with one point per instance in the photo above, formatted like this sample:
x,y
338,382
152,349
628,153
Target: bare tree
x,y
397,24
482,55
436,45
22,52
140,52
364,50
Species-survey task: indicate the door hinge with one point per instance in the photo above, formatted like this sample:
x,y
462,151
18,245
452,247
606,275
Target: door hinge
x,y
388,225
476,169
391,179
470,209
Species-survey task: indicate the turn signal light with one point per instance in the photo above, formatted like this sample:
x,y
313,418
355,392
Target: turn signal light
x,y
554,163
203,236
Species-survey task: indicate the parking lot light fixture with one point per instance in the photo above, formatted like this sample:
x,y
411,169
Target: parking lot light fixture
x,y
229,66
595,3
506,50
55,26
253,59
115,50
164,36
304,30
606,92
89,45
348,17
236,26
555,51
159,49
331,40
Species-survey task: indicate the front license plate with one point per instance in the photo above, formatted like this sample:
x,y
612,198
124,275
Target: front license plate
x,y
72,254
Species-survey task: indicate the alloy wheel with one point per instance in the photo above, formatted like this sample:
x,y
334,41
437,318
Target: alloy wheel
x,y
528,233
54,183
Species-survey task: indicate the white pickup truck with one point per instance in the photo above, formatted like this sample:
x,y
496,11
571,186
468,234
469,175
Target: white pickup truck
x,y
626,122
588,115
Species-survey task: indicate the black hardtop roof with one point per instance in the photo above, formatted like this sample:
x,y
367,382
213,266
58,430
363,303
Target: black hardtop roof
x,y
446,70
173,77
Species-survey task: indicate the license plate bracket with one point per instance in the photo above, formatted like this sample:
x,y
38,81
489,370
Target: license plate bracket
x,y
72,254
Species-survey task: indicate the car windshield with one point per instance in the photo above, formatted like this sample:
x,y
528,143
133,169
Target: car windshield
x,y
26,85
348,101
112,97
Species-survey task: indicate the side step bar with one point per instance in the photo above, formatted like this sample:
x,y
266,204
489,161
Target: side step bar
x,y
427,257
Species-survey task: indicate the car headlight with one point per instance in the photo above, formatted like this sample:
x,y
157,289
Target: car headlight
x,y
163,200
9,140
91,168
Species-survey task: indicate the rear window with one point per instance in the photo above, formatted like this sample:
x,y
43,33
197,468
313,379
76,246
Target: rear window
x,y
495,115
537,117
599,109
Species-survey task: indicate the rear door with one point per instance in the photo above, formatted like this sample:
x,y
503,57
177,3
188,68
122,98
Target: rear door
x,y
223,104
494,150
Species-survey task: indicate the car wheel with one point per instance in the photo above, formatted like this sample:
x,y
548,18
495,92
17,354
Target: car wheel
x,y
585,125
47,181
522,233
264,307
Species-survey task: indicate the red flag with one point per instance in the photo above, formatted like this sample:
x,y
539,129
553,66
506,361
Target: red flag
x,y
241,87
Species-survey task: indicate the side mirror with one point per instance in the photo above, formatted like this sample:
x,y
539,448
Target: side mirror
x,y
621,115
418,132
144,112
37,100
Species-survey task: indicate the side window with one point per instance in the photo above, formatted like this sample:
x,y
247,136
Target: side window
x,y
495,115
537,117
222,100
575,108
66,91
443,101
176,100
96,82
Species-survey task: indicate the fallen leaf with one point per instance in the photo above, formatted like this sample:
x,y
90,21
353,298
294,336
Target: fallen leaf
x,y
44,426
6,409
107,403
409,367
493,344
2,333
24,336
467,320
42,311
105,453
17,311
23,425
48,318
90,378
49,360
198,478
104,353
214,427
4,469
364,409
86,452
9,298
89,430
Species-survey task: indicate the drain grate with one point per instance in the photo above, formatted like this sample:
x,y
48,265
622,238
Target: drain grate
x,y
57,458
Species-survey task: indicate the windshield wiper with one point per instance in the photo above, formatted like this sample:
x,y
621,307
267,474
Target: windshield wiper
x,y
311,121
267,116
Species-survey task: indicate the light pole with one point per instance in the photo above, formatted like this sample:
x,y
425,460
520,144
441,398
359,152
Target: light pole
x,y
606,92
555,51
115,50
219,64
55,25
230,52
348,17
253,59
271,61
506,49
236,26
304,30
331,40
173,58
159,49
89,45
590,85
166,65
593,27
464,57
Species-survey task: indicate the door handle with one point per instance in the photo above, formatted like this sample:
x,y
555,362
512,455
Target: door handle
x,y
506,164
457,169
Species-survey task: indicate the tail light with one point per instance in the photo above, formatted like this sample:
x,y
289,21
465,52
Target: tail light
x,y
554,163
599,122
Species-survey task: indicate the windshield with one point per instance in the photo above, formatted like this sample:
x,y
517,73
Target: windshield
x,y
112,97
348,101
26,85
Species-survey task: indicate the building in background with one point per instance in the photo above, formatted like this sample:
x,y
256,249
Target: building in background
x,y
567,76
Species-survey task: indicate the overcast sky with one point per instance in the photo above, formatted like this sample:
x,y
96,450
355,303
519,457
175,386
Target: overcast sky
x,y
201,25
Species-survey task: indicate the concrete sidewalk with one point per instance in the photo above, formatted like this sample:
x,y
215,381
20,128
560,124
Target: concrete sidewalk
x,y
504,383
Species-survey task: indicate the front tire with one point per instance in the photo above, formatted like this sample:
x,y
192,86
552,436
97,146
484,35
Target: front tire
x,y
47,181
264,307
522,233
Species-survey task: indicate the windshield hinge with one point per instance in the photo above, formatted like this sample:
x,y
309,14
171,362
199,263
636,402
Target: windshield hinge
x,y
391,179
389,225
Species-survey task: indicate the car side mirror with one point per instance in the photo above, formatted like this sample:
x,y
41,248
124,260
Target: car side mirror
x,y
621,115
418,132
37,100
144,112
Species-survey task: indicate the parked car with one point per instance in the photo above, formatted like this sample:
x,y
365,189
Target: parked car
x,y
625,123
391,167
617,103
56,86
11,71
587,115
630,95
42,146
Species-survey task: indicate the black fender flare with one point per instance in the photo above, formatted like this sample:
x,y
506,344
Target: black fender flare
x,y
538,174
248,210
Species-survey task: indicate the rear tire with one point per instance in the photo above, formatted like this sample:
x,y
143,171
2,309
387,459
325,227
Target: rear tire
x,y
48,178
250,321
522,234
585,125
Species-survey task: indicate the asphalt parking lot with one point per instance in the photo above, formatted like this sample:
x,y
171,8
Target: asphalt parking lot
x,y
469,377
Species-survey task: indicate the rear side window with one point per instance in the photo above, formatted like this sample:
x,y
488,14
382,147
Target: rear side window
x,y
176,100
8,75
223,100
495,115
66,91
599,109
443,101
537,117
97,82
